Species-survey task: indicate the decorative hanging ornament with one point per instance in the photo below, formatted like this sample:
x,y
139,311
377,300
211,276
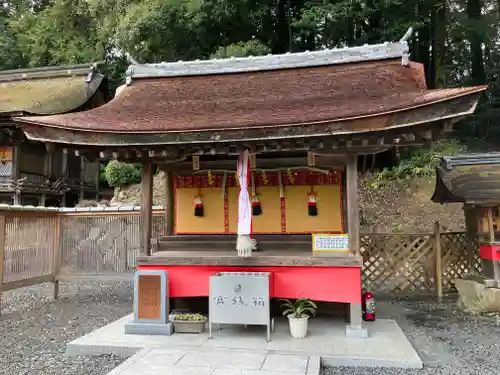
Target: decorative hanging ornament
x,y
265,179
291,178
256,207
210,178
312,208
198,206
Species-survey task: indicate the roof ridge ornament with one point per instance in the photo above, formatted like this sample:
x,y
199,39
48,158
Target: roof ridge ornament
x,y
92,72
130,70
405,58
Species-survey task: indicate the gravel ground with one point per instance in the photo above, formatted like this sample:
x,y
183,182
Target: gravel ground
x,y
448,341
34,329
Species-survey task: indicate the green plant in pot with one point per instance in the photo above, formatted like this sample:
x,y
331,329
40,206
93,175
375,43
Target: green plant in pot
x,y
189,323
298,314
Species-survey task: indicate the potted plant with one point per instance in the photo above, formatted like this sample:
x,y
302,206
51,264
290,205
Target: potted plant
x,y
298,314
189,323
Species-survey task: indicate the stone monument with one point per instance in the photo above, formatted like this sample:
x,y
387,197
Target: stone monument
x,y
151,304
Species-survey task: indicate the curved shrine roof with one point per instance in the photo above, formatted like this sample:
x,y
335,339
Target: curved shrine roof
x,y
276,91
473,178
49,90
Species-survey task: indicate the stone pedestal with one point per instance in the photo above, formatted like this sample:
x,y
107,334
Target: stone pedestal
x,y
151,304
476,297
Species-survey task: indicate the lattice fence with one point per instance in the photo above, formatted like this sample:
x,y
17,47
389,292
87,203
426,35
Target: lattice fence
x,y
104,244
395,263
406,263
460,255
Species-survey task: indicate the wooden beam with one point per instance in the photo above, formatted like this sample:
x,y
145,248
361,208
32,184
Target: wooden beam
x,y
146,208
352,202
169,203
262,163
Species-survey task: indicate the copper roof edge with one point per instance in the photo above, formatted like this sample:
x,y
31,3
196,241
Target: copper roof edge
x,y
50,72
305,59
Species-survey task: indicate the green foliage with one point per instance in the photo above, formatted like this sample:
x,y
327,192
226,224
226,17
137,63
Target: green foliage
x,y
300,308
457,41
242,49
190,317
62,33
419,163
121,174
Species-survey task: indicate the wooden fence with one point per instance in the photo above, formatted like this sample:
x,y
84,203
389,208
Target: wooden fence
x,y
41,245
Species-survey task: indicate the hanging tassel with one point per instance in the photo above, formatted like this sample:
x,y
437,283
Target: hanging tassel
x,y
198,206
256,207
312,209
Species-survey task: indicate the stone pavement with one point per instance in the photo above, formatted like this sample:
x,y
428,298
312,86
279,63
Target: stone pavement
x,y
216,361
244,351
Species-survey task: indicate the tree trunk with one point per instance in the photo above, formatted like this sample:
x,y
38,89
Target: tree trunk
x,y
281,42
478,75
437,70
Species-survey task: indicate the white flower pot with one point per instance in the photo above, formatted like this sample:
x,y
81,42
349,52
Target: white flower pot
x,y
298,326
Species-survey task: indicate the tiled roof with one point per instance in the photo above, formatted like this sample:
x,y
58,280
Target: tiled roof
x,y
258,99
44,91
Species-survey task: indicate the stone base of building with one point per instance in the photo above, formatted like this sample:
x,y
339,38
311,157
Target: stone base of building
x,y
142,328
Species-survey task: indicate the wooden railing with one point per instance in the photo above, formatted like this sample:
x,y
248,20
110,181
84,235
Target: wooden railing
x,y
40,245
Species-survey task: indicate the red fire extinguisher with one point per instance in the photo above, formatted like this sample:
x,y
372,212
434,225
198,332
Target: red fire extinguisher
x,y
368,306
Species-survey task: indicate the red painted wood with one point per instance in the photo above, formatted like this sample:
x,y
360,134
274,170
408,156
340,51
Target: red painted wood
x,y
491,252
329,284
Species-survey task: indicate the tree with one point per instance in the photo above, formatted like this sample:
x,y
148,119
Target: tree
x,y
62,33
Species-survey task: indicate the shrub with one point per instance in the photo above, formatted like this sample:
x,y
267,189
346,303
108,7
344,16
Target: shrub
x,y
120,174
241,49
419,163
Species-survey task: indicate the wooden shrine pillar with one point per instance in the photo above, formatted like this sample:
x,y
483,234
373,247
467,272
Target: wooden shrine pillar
x,y
352,202
16,158
355,327
146,207
81,195
64,173
471,214
169,203
47,172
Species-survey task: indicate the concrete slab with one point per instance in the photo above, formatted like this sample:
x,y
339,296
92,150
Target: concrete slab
x,y
286,362
245,349
253,372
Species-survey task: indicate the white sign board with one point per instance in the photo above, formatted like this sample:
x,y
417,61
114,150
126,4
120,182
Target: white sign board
x,y
330,243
